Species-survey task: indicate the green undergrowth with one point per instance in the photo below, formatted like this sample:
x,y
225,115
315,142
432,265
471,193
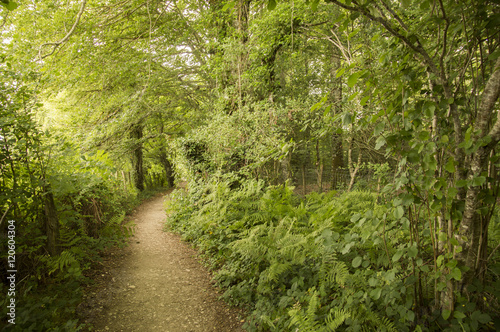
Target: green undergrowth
x,y
92,218
325,262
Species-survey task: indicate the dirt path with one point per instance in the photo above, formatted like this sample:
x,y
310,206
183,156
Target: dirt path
x,y
158,285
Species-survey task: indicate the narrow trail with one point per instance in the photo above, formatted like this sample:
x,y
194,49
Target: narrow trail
x,y
159,285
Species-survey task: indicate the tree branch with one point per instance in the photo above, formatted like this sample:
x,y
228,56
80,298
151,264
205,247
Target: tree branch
x,y
65,38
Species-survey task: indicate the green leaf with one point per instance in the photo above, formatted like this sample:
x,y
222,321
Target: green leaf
x,y
456,273
229,5
357,261
353,79
477,181
446,314
405,3
346,119
375,294
340,72
10,5
450,166
355,217
480,317
380,142
458,315
452,263
399,212
397,255
314,5
442,236
364,100
412,251
379,128
271,4
439,260
424,135
429,109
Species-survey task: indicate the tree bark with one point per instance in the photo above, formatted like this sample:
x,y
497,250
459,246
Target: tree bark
x,y
472,234
51,222
137,157
169,172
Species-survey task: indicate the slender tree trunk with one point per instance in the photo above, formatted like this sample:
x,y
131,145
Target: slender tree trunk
x,y
337,148
353,170
472,234
137,162
51,222
319,168
169,172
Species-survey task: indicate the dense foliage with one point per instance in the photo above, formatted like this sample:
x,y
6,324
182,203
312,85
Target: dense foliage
x,y
344,261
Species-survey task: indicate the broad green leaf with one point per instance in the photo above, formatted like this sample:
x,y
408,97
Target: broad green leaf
x,y
375,293
452,263
399,212
10,5
271,4
446,314
450,166
478,181
424,135
480,317
397,255
442,236
346,119
412,251
380,142
379,128
353,79
456,273
357,261
355,217
458,315
340,72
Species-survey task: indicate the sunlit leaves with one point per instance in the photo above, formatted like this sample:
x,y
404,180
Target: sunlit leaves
x,y
10,5
271,4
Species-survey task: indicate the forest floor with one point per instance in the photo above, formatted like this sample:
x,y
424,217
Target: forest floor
x,y
156,283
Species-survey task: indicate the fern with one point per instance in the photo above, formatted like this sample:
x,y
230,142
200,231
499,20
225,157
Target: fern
x,y
305,321
335,318
65,260
333,272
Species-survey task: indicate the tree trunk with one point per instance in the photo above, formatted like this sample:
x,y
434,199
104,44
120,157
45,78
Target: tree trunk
x,y
138,173
337,148
319,168
169,172
472,235
51,222
353,170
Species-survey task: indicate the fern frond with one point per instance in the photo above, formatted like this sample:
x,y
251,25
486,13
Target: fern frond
x,y
340,316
